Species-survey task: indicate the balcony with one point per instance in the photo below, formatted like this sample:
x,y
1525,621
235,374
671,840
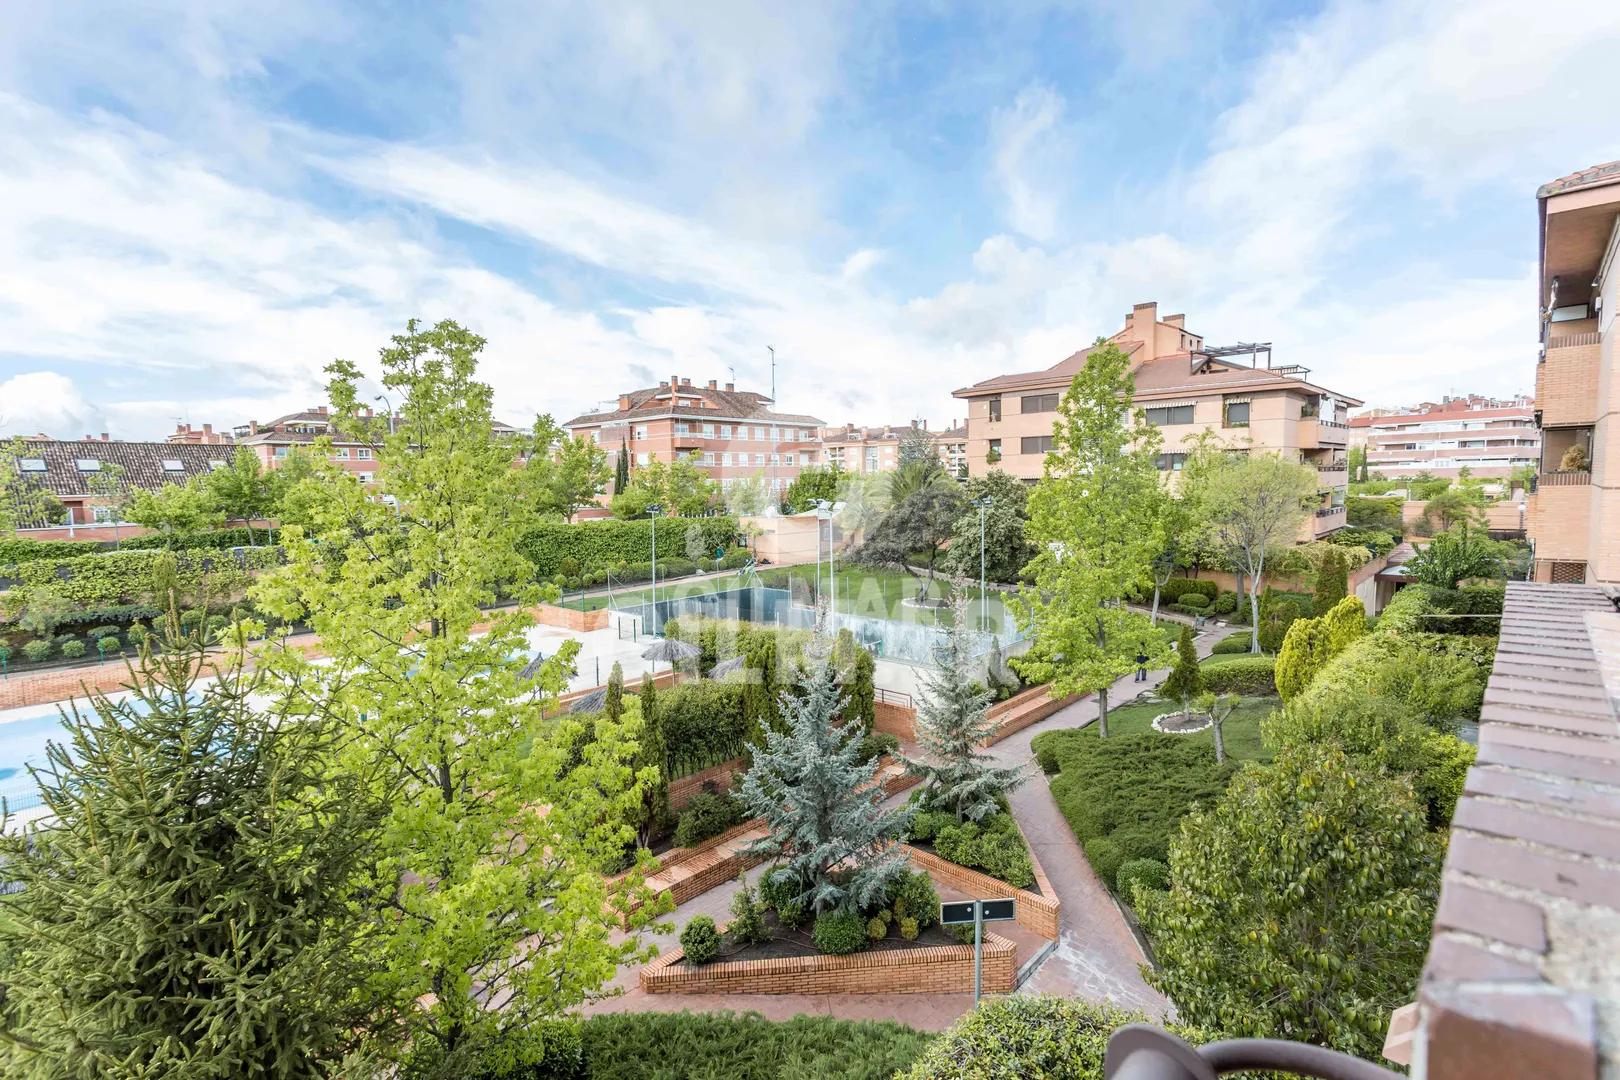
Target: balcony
x,y
1567,381
1563,478
1329,518
1317,434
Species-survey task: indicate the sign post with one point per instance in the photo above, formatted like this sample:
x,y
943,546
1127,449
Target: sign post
x,y
977,912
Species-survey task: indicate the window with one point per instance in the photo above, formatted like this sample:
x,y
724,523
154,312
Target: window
x,y
708,457
216,465
88,465
759,459
788,459
871,459
364,478
341,453
725,431
1035,444
776,459
1172,462
364,453
1170,414
995,409
995,449
682,427
759,433
1034,403
31,464
708,431
281,451
641,431
172,465
643,458
1237,413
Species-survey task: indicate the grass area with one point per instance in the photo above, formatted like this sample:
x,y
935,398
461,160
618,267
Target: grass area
x,y
1241,730
1226,658
746,1046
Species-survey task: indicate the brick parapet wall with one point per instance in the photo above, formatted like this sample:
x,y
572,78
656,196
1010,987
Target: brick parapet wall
x,y
1021,710
1037,914
682,790
933,969
897,720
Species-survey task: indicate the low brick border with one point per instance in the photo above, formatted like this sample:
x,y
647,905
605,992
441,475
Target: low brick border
x,y
1038,913
933,969
1023,709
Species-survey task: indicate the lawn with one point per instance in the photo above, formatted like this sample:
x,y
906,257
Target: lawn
x,y
1242,728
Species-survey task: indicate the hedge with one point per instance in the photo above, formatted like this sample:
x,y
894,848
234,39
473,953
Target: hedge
x,y
122,577
1427,607
595,546
1148,873
195,541
1176,588
1250,675
1233,643
702,723
20,549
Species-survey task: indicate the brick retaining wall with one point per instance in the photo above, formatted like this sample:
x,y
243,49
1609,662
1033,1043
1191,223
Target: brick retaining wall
x,y
934,969
896,720
1023,709
1037,914
682,790
570,619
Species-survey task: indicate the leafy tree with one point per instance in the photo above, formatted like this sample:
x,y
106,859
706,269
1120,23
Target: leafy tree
x,y
679,486
191,908
924,504
1456,555
1219,709
1374,512
613,702
496,829
1091,519
1006,546
242,490
302,481
1345,622
1460,504
811,486
746,496
865,497
1332,580
1277,614
176,509
1357,462
1251,504
653,814
1173,528
1186,678
1300,904
952,731
825,818
564,472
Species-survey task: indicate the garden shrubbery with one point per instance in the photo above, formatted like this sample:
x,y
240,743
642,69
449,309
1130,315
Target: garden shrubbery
x,y
993,846
700,940
1146,873
1249,675
706,815
599,546
702,724
1232,643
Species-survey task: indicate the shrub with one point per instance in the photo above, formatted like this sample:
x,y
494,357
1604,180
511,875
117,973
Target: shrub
x,y
700,941
913,896
1105,857
1373,512
909,928
1143,873
1196,601
1028,1035
877,743
1304,651
1187,609
37,650
1045,751
552,1050
1226,603
993,846
136,634
876,929
702,724
1185,680
1277,614
747,914
1232,643
72,648
926,824
107,644
780,893
839,933
1181,588
1251,675
606,544
704,816
102,631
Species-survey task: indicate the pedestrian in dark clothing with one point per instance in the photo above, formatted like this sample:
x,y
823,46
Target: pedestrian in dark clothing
x,y
1141,666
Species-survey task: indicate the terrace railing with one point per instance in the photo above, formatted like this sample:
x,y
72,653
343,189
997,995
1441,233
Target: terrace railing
x,y
1145,1052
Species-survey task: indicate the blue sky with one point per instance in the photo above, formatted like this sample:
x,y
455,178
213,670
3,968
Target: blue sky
x,y
204,204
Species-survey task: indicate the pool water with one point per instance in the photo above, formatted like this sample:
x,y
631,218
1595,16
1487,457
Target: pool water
x,y
23,742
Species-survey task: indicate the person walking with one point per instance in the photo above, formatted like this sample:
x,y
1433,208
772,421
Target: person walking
x,y
1141,666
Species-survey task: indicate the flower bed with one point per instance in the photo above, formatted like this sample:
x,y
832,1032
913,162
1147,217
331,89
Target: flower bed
x,y
1182,722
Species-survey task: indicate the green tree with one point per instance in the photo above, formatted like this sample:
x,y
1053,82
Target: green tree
x,y
679,486
1332,580
811,486
1304,650
1091,519
496,827
824,817
1186,679
1357,461
613,702
1345,622
564,472
108,490
653,815
1251,504
1458,505
924,504
856,673
952,731
1277,614
242,491
176,509
1457,555
1300,904
746,496
621,469
301,482
1006,546
191,907
916,444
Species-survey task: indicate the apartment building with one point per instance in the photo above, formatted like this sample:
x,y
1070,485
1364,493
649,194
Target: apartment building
x,y
729,433
1186,388
877,449
1489,437
1574,513
203,436
87,476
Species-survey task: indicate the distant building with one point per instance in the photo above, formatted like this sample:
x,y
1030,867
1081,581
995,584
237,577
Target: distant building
x,y
877,449
68,470
1186,388
1489,437
203,436
730,434
1574,515
274,440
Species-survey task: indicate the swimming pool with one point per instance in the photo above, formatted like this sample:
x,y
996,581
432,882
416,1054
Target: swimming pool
x,y
22,743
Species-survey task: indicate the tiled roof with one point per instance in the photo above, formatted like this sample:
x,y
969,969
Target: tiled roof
x,y
142,463
1597,175
1062,371
654,401
1524,935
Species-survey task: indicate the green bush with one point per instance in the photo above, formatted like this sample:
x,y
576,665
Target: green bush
x,y
912,896
1197,601
747,914
705,815
877,743
1105,857
1373,512
710,1045
702,724
909,928
37,650
1181,588
102,631
1277,614
1376,541
19,550
610,543
1226,603
1144,873
108,644
72,648
781,894
1188,609
876,929
214,539
700,940
993,846
1045,746
1252,676
1028,1035
554,1050
839,933
1232,643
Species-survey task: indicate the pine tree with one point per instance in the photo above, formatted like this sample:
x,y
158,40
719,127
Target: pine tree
x,y
1332,580
824,814
1186,678
654,753
613,702
192,907
952,730
621,471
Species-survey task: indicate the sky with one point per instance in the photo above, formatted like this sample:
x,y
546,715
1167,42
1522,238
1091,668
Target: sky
x,y
203,204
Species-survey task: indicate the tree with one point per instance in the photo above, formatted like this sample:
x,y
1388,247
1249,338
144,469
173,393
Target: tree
x,y
176,509
1304,650
679,486
1460,504
824,817
107,487
746,496
1345,623
613,702
621,469
1186,679
1006,547
652,753
952,731
916,445
301,482
1332,580
1277,614
811,486
564,472
1374,512
1300,904
191,908
24,501
242,490
856,673
922,512
1173,526
1091,520
1219,709
499,817
1251,504
1454,556
1357,462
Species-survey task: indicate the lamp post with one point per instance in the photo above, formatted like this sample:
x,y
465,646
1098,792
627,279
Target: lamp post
x,y
653,511
390,406
983,504
825,512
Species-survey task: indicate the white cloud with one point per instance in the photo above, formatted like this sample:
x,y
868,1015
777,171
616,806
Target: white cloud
x,y
46,402
1034,161
859,264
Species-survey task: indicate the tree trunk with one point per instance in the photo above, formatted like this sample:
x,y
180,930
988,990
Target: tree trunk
x,y
1102,713
1220,744
1155,616
1254,618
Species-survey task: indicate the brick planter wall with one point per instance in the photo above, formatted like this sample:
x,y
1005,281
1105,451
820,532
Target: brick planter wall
x,y
1023,709
569,619
896,720
682,790
937,969
1035,913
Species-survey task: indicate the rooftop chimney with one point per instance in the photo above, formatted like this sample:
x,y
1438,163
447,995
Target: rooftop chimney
x,y
685,381
674,383
208,429
713,385
1179,321
731,388
320,410
624,402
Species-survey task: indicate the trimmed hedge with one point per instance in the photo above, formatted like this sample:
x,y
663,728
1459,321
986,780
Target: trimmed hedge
x,y
706,815
19,549
1250,676
702,723
700,940
1148,873
1232,643
595,546
839,933
1180,588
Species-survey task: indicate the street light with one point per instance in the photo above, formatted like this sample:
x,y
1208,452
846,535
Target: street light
x,y
826,511
390,405
983,504
653,511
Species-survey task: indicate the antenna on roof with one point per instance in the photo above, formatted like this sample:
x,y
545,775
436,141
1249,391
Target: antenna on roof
x,y
772,348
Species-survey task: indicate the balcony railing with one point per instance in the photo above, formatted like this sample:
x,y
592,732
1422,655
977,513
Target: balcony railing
x,y
1564,478
1144,1052
1328,511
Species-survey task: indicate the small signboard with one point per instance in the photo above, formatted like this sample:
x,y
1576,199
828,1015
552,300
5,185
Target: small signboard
x,y
967,912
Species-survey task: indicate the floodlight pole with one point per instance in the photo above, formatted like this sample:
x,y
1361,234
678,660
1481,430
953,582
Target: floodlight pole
x,y
978,947
653,512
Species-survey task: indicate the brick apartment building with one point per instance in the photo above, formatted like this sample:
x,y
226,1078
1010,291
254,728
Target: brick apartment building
x,y
1186,388
858,449
1489,437
69,470
1574,513
728,433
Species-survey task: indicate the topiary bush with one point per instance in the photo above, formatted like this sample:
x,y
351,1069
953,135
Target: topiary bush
x,y
1143,873
1232,643
704,816
700,940
876,929
1196,601
37,650
1045,747
1250,675
993,846
909,928
1180,588
913,896
73,648
1225,603
839,933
